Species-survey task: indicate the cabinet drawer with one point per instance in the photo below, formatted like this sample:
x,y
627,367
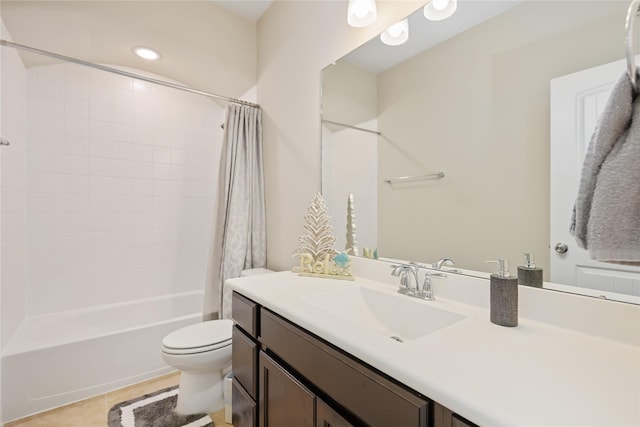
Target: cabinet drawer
x,y
244,408
368,395
245,313
245,361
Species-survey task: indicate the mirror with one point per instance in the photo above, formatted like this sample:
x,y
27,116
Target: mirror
x,y
475,105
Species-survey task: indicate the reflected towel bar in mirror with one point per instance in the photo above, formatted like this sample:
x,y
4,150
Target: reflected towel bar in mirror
x,y
412,178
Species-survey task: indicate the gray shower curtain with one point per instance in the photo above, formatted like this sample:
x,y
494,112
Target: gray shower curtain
x,y
239,234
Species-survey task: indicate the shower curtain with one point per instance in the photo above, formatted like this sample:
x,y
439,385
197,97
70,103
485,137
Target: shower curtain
x,y
239,234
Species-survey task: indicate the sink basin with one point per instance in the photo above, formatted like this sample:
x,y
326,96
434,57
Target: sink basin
x,y
395,316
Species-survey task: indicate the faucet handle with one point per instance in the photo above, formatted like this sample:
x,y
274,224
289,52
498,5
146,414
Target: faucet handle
x,y
427,291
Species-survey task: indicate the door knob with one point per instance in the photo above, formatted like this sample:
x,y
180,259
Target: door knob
x,y
561,248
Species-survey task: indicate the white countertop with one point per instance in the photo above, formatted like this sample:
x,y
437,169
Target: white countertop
x,y
536,374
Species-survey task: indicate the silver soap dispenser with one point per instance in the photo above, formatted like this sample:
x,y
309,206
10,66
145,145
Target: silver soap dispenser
x,y
529,274
504,295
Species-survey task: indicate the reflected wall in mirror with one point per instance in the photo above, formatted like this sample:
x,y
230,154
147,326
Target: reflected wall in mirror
x,y
474,104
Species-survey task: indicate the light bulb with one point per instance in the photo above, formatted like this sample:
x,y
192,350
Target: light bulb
x,y
440,4
361,13
360,10
396,34
437,10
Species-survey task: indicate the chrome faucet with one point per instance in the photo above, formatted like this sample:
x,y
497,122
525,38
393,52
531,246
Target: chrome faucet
x,y
405,272
444,261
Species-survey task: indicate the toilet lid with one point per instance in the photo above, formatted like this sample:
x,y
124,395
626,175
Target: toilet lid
x,y
200,337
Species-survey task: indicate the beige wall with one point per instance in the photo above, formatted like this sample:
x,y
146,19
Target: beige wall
x,y
296,40
477,108
349,94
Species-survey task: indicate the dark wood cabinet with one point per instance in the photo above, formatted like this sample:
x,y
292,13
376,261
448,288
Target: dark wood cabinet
x,y
370,397
244,359
284,401
244,407
327,417
286,376
444,417
245,314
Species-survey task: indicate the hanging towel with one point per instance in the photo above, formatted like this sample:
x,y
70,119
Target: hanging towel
x,y
606,217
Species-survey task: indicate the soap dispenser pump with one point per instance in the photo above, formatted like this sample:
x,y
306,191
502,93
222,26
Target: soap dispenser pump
x,y
529,274
504,295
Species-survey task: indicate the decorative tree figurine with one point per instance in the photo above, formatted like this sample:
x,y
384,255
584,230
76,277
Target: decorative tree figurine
x,y
317,239
352,240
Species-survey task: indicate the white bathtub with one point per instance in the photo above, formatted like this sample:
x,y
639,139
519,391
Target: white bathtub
x,y
61,358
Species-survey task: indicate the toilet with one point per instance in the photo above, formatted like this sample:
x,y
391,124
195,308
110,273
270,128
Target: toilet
x,y
202,352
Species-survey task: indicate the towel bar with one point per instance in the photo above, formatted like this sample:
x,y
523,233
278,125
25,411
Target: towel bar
x,y
411,178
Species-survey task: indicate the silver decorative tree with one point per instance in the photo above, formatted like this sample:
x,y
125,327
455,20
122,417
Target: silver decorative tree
x,y
317,239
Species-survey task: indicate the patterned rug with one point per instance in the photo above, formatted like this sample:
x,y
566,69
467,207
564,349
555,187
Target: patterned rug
x,y
155,410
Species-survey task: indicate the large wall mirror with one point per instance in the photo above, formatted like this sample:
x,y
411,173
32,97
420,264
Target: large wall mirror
x,y
469,98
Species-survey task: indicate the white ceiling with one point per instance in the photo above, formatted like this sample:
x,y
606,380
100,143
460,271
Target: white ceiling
x,y
250,9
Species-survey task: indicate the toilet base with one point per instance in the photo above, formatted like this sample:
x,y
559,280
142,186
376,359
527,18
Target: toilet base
x,y
200,393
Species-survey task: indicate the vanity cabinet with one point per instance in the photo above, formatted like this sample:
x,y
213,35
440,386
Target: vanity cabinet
x,y
244,360
286,376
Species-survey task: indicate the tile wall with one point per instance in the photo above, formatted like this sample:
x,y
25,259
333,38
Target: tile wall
x,y
122,176
13,190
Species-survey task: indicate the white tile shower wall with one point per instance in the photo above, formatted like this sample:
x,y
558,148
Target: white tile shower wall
x,y
122,181
13,187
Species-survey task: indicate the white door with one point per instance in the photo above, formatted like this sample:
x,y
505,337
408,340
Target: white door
x,y
576,103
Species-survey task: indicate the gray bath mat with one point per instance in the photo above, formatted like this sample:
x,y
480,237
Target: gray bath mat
x,y
155,410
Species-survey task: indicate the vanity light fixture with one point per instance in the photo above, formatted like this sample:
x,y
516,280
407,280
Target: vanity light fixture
x,y
437,10
146,53
361,13
396,34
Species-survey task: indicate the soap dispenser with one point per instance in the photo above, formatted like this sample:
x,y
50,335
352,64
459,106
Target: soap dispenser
x,y
529,274
504,295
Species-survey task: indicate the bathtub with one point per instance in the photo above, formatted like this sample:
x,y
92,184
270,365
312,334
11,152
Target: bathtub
x,y
61,358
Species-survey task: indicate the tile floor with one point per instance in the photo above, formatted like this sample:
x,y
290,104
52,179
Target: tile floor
x,y
93,412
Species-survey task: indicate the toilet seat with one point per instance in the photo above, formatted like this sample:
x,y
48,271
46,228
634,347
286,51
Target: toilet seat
x,y
199,338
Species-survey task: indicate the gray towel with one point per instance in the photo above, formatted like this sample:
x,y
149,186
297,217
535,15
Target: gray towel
x,y
606,217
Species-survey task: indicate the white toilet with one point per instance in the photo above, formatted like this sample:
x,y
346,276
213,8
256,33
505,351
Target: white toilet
x,y
202,352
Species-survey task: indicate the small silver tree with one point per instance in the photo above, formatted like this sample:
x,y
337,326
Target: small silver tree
x,y
317,239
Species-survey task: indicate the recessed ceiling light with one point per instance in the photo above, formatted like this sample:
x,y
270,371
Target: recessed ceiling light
x,y
146,53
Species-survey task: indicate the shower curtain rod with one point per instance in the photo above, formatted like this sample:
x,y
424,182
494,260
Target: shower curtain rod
x,y
4,42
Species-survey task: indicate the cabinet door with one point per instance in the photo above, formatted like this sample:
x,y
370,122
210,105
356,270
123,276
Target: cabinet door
x,y
244,358
244,408
284,401
327,417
